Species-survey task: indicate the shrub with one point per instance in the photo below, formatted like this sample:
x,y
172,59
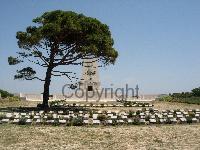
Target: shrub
x,y
49,117
5,94
2,116
147,118
114,122
56,122
22,121
77,121
102,117
168,121
143,109
137,112
191,114
14,98
166,98
130,114
189,119
151,110
91,114
136,121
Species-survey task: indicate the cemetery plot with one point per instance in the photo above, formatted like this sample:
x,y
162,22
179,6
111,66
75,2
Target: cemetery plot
x,y
96,117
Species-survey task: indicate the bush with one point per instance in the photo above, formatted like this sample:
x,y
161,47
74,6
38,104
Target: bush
x,y
168,121
189,119
137,112
192,114
77,121
114,122
2,116
147,118
130,114
151,110
49,117
22,121
136,121
14,98
56,122
102,117
91,114
166,98
5,94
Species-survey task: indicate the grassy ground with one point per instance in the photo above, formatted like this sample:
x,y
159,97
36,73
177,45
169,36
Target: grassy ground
x,y
101,138
160,105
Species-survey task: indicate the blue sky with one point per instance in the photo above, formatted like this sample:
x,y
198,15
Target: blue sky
x,y
158,42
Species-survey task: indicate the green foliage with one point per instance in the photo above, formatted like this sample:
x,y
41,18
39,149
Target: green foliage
x,y
196,92
166,98
130,114
136,121
102,117
13,61
26,73
77,121
14,98
184,97
147,117
189,119
62,38
5,94
49,117
22,121
2,116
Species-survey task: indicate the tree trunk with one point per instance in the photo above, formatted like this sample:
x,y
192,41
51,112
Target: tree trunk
x,y
46,87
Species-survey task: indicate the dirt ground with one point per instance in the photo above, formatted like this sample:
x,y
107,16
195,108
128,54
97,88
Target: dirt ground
x,y
101,137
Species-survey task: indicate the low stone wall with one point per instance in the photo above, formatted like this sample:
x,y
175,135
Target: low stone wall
x,y
104,98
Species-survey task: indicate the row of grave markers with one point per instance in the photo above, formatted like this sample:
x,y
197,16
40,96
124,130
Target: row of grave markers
x,y
151,116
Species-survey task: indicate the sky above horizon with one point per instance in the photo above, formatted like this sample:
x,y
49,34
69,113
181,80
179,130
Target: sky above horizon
x,y
158,42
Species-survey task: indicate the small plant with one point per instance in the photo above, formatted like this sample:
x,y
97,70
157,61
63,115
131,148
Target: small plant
x,y
143,109
136,121
137,112
2,116
151,110
56,122
102,105
49,117
14,98
91,114
147,118
31,116
168,121
114,122
189,119
77,121
102,117
22,121
192,114
130,114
